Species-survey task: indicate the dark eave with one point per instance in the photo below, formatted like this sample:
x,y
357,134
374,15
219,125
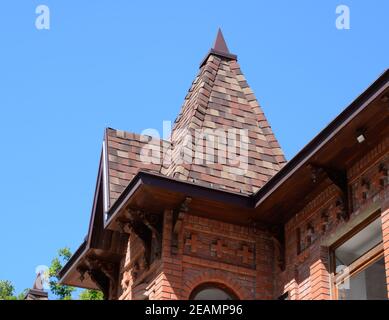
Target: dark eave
x,y
175,191
73,261
372,92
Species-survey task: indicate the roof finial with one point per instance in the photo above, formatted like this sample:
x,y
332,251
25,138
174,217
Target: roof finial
x,y
220,44
219,49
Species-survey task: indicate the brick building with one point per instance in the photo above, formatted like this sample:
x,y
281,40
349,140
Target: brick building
x,y
216,212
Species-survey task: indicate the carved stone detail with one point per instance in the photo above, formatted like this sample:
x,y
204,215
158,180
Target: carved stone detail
x,y
103,273
148,228
338,178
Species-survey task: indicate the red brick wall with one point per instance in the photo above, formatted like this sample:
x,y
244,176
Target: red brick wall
x,y
197,250
224,254
209,251
311,231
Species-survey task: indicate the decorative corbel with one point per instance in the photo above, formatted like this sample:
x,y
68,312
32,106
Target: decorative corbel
x,y
178,214
154,223
147,226
339,179
104,274
82,270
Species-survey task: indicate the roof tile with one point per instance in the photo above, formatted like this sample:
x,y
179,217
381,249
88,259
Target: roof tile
x,y
219,99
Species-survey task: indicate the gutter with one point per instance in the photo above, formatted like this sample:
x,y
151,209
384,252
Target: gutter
x,y
184,187
106,202
73,261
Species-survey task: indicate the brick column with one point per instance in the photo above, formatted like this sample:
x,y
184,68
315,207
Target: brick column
x,y
292,286
264,268
320,281
168,283
319,276
385,236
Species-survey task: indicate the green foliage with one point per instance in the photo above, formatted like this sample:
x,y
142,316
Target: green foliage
x,y
22,295
7,291
91,295
63,292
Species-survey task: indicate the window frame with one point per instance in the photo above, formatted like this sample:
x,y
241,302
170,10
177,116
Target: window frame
x,y
367,259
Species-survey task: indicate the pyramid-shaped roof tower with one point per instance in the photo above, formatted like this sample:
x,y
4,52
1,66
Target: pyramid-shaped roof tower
x,y
221,137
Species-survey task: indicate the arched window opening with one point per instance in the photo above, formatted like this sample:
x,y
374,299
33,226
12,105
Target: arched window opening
x,y
212,291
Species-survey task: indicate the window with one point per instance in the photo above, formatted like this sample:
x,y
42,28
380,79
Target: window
x,y
359,266
211,291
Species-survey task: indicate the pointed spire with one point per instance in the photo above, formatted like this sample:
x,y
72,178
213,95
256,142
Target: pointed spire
x,y
220,44
38,284
219,49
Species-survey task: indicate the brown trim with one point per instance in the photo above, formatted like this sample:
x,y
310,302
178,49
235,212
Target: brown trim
x,y
361,263
359,227
358,266
106,176
73,260
95,198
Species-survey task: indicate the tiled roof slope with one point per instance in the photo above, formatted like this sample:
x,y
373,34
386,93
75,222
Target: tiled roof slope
x,y
124,151
219,99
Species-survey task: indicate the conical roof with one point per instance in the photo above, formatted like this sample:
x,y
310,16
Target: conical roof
x,y
221,107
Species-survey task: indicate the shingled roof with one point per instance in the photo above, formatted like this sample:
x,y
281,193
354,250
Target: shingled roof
x,y
219,108
125,159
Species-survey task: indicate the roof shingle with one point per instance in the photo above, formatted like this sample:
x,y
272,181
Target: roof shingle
x,y
219,109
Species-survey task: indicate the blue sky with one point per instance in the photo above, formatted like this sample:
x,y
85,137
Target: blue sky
x,y
128,65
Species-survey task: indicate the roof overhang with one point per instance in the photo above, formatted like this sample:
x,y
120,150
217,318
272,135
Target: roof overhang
x,y
152,192
69,274
335,147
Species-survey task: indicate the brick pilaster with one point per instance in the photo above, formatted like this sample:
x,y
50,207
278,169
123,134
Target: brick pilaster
x,y
168,284
319,275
